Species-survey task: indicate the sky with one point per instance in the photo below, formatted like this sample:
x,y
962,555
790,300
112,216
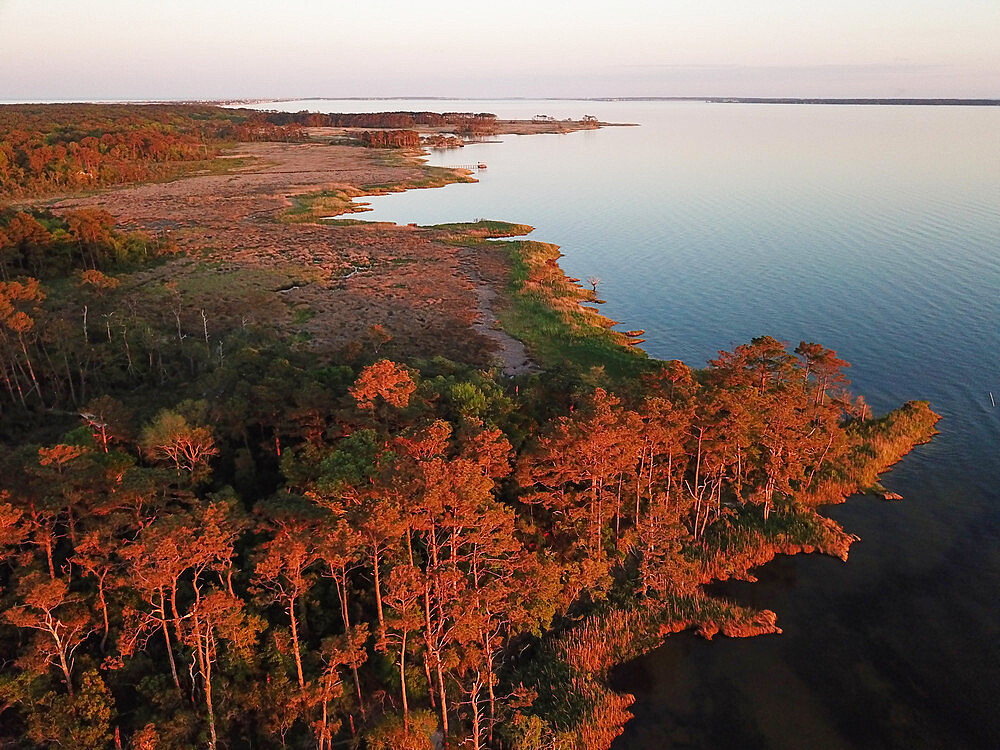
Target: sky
x,y
75,50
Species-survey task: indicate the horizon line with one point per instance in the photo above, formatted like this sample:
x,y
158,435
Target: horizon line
x,y
936,101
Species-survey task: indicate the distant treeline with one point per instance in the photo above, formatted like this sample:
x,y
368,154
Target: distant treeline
x,y
897,102
462,122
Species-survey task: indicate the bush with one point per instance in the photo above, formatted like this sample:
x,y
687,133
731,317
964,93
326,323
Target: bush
x,y
391,734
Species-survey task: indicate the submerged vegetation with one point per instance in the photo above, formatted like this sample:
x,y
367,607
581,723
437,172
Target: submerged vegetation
x,y
214,534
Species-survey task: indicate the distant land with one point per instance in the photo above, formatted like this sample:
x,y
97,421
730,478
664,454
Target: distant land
x,y
710,99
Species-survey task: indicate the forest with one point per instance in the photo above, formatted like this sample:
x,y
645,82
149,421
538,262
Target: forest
x,y
214,535
389,138
466,123
50,148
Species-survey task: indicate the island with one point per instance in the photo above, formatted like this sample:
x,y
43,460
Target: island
x,y
277,477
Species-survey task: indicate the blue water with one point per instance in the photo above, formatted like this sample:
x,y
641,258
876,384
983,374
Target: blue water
x,y
873,230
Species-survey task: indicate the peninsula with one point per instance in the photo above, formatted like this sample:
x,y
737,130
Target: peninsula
x,y
275,476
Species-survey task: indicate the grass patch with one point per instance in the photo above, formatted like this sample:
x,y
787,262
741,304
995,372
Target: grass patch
x,y
230,280
218,165
432,177
547,314
487,228
345,222
545,309
310,207
303,315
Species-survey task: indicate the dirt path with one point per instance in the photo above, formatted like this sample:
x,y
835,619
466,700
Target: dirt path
x,y
331,283
510,352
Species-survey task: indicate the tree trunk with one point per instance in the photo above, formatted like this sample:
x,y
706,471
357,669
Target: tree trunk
x,y
444,700
378,596
430,680
298,653
402,683
618,512
341,583
475,716
170,650
31,370
104,611
62,660
493,700
48,556
173,609
207,675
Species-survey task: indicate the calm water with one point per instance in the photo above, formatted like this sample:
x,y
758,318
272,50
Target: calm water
x,y
873,230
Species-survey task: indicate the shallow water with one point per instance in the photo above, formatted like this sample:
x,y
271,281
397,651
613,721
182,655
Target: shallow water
x,y
874,230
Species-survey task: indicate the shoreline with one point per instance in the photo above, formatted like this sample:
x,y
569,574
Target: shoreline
x,y
630,631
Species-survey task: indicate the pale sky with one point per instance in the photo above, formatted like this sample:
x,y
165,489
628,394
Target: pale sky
x,y
220,49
